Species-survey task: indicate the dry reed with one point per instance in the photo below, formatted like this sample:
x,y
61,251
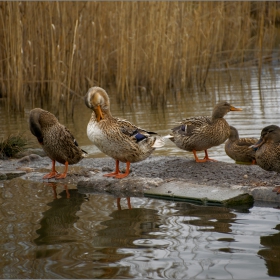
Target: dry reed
x,y
54,51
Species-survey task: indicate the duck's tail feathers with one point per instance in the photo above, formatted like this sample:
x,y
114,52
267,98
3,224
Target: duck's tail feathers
x,y
159,143
84,154
169,136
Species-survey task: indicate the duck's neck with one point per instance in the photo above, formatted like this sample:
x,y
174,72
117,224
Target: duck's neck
x,y
217,115
233,137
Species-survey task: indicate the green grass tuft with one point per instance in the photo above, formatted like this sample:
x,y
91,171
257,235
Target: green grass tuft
x,y
12,145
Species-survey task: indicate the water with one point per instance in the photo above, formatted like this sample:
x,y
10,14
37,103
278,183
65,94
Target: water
x,y
50,231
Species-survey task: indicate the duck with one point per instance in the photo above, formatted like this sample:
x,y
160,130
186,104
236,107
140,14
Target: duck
x,y
115,137
203,132
239,148
56,140
268,150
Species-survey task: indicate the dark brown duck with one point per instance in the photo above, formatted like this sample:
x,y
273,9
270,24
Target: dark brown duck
x,y
56,140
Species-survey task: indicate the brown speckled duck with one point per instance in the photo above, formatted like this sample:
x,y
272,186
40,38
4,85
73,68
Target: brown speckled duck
x,y
201,133
239,148
117,138
268,150
56,140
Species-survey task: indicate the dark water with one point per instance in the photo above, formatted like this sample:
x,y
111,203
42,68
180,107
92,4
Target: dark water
x,y
51,231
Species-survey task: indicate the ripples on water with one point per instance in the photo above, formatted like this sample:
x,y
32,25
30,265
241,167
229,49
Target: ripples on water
x,y
49,231
44,235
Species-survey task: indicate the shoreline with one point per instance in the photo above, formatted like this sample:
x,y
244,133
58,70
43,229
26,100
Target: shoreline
x,y
150,173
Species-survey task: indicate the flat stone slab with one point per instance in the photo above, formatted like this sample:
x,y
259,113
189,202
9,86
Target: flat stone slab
x,y
199,194
210,183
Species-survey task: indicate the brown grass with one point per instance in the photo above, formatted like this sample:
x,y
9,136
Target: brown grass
x,y
55,51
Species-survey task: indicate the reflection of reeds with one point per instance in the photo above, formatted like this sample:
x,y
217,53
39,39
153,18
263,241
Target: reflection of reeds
x,y
55,51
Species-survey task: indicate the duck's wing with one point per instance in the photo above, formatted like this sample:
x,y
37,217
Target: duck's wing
x,y
131,130
190,125
197,121
246,142
66,135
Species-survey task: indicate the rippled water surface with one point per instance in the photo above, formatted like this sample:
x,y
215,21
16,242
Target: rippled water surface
x,y
73,235
48,231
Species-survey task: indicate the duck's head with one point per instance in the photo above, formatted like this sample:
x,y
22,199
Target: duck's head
x,y
222,108
97,100
270,133
39,120
234,135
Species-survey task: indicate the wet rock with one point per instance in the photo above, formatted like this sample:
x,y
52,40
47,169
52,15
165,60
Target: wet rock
x,y
27,152
129,186
31,157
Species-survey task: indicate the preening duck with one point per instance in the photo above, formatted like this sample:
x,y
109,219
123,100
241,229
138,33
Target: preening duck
x,y
117,138
56,140
239,148
203,132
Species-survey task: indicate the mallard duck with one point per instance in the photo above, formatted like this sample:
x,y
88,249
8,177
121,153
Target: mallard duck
x,y
201,133
56,140
268,150
239,148
117,138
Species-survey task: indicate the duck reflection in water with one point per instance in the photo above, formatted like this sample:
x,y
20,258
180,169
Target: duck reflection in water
x,y
59,219
126,226
271,254
119,203
54,185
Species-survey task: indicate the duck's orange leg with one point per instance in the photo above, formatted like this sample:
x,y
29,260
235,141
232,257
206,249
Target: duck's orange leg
x,y
207,158
196,158
122,175
277,189
114,173
53,173
64,174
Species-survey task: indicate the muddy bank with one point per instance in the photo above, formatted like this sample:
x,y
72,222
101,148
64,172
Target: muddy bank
x,y
154,171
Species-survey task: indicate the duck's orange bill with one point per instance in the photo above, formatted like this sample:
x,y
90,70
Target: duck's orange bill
x,y
98,112
235,109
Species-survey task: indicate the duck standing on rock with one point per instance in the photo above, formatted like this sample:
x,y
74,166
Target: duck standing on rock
x,y
56,140
268,150
239,148
203,132
117,138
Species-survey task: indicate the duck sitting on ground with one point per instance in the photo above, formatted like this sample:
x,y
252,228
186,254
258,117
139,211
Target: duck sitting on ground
x,y
239,148
117,138
202,132
268,150
56,140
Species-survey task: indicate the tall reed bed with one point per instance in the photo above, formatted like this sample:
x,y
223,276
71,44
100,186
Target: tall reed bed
x,y
54,51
